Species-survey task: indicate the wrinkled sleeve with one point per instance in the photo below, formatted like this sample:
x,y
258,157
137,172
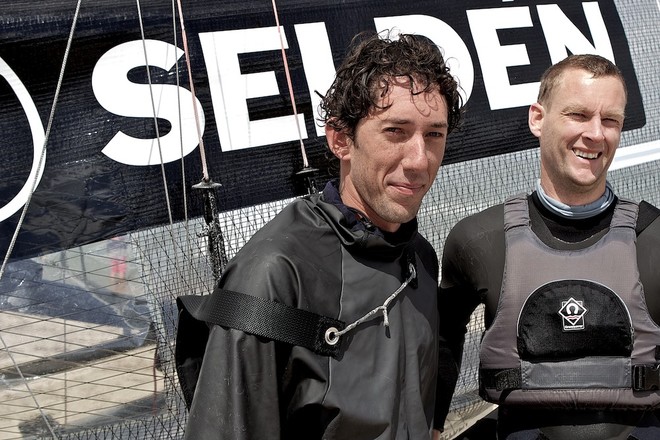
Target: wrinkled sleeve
x,y
237,395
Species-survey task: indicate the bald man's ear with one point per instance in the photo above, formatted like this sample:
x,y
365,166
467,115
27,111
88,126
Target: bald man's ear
x,y
338,142
535,118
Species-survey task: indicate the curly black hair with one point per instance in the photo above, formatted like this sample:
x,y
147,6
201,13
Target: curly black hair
x,y
363,77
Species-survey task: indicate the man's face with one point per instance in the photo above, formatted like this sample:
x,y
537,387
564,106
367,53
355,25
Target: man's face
x,y
394,155
579,129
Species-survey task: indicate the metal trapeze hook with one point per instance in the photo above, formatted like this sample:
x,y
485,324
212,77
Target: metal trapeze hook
x,y
307,178
215,240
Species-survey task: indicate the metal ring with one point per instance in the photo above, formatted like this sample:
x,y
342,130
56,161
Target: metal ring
x,y
331,337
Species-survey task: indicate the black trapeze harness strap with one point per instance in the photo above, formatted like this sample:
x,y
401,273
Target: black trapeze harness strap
x,y
262,317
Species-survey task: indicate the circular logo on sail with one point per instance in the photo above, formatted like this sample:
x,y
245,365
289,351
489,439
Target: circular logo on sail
x,y
38,139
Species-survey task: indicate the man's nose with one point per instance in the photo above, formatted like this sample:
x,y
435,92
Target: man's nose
x,y
594,129
415,154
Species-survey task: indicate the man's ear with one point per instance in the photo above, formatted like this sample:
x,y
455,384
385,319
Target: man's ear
x,y
338,142
535,118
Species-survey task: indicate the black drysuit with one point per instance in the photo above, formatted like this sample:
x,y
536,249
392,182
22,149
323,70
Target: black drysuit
x,y
320,256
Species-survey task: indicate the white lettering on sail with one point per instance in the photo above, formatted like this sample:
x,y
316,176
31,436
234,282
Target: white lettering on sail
x,y
495,59
117,94
317,60
561,34
454,49
230,89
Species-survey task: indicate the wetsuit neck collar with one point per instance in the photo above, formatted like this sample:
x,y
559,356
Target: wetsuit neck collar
x,y
576,212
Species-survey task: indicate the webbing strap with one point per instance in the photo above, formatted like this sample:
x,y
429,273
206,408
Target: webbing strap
x,y
646,377
501,379
265,318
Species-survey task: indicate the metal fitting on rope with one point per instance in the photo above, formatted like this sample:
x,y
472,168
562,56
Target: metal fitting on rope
x,y
332,335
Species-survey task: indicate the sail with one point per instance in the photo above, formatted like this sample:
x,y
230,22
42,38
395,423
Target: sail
x,y
101,129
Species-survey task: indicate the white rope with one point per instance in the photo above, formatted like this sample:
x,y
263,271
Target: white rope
x,y
332,335
290,86
178,100
202,150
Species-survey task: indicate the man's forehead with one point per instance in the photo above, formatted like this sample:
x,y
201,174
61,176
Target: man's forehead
x,y
565,88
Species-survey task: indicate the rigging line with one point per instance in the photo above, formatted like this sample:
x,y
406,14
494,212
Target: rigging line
x,y
216,245
153,109
184,187
202,150
12,243
333,335
188,247
49,125
27,385
178,100
289,84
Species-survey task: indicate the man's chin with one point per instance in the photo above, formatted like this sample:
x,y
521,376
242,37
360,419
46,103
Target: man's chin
x,y
402,214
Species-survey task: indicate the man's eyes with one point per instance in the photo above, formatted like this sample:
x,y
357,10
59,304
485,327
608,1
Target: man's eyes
x,y
606,120
399,130
613,121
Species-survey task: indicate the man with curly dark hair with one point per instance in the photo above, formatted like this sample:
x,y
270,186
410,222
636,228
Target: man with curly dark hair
x,y
351,255
366,73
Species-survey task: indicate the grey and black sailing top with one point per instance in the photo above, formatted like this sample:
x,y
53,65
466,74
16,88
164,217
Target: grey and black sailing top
x,y
472,270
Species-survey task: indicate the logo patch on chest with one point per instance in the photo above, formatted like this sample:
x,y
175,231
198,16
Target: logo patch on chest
x,y
572,313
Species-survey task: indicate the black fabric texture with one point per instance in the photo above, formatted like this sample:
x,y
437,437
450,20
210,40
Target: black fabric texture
x,y
310,256
647,215
607,328
253,315
262,317
189,352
